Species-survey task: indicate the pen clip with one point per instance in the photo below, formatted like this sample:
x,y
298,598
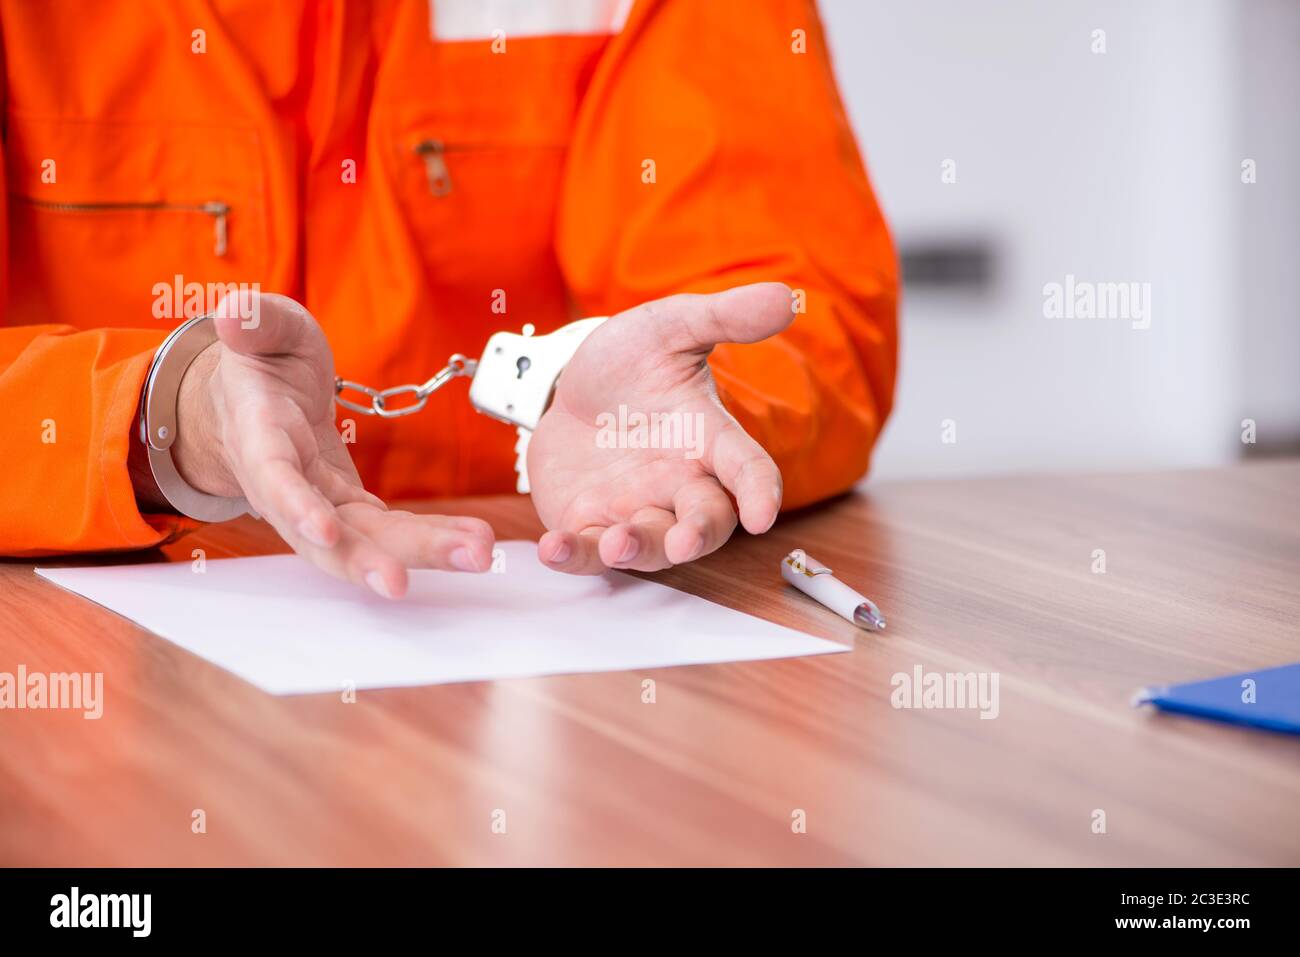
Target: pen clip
x,y
804,565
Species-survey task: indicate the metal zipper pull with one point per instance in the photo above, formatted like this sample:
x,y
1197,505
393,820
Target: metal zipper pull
x,y
220,211
435,166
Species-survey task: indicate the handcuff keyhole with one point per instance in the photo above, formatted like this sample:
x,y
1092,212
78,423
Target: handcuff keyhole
x,y
523,364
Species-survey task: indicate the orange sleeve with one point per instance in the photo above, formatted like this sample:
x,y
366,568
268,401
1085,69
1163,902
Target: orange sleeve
x,y
69,403
710,152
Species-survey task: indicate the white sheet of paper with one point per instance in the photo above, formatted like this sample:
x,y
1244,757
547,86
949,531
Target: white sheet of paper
x,y
289,628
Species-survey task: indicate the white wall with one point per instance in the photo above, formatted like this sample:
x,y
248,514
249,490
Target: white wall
x,y
1268,239
1114,167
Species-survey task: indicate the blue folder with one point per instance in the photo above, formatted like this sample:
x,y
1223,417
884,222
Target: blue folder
x,y
1269,698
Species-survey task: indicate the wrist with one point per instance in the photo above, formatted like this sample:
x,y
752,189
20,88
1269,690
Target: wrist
x,y
198,451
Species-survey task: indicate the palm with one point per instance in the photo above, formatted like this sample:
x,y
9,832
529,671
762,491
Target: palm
x,y
270,398
284,406
567,451
658,489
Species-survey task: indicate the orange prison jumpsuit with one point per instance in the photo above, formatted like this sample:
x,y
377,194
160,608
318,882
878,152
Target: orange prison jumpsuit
x,y
211,140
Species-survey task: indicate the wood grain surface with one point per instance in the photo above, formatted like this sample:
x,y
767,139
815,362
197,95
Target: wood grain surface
x,y
1202,579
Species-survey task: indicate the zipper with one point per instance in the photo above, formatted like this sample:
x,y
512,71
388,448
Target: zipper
x,y
433,152
219,211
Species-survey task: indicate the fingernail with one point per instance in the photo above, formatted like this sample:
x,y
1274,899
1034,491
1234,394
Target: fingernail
x,y
629,550
694,552
377,584
776,512
562,554
311,530
462,559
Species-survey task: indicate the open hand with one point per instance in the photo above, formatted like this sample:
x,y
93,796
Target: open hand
x,y
607,498
256,418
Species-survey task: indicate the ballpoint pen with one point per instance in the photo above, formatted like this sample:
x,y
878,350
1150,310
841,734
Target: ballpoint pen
x,y
815,580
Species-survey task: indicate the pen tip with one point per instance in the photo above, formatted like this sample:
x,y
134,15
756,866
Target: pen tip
x,y
869,617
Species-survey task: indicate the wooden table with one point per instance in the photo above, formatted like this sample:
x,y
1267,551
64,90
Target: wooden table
x,y
1202,578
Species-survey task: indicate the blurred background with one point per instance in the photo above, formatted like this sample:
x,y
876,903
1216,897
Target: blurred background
x,y
1119,166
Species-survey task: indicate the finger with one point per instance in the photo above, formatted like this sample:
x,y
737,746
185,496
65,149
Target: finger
x,y
266,465
470,524
425,541
705,520
339,490
695,323
264,324
750,475
356,558
638,544
281,494
577,553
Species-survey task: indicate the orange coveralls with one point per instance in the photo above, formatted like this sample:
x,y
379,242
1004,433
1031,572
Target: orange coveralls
x,y
211,140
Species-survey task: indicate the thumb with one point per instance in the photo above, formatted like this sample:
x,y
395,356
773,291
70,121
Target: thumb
x,y
256,324
697,323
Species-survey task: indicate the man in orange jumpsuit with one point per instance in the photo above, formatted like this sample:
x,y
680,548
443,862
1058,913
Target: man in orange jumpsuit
x,y
420,174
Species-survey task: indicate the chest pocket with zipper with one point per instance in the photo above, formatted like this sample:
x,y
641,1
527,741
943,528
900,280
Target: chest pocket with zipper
x,y
103,214
477,145
483,214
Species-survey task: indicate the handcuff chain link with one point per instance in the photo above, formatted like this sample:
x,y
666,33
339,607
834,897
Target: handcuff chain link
x,y
457,366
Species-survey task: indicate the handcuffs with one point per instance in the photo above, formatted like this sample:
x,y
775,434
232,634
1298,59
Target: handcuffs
x,y
513,382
